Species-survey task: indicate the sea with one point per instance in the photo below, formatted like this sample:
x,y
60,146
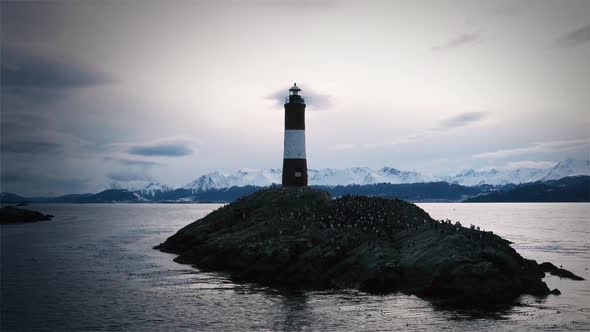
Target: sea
x,y
93,268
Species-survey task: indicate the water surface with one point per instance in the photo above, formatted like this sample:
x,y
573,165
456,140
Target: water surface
x,y
93,268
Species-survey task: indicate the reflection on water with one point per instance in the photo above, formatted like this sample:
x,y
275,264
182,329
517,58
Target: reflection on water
x,y
92,268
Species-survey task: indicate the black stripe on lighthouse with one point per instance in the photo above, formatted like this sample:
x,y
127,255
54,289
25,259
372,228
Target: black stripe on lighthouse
x,y
294,160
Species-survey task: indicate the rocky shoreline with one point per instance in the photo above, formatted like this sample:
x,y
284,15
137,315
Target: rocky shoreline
x,y
13,215
301,238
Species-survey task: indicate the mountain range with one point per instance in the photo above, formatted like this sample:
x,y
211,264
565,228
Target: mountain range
x,y
387,181
366,176
567,189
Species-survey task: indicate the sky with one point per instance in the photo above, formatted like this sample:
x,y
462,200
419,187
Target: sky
x,y
95,93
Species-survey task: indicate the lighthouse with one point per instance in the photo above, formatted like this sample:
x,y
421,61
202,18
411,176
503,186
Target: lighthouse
x,y
294,162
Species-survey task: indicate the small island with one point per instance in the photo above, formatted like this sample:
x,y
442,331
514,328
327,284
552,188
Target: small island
x,y
13,215
302,238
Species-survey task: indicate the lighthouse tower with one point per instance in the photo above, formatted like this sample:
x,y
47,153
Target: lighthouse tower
x,y
294,162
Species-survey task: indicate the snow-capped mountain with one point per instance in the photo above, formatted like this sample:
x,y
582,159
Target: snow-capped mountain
x,y
364,176
323,177
570,167
471,177
205,182
334,177
152,189
239,178
145,190
393,175
254,177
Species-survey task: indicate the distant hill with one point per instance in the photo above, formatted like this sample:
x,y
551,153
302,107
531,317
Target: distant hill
x,y
106,196
568,189
204,196
72,198
115,195
12,198
172,196
417,192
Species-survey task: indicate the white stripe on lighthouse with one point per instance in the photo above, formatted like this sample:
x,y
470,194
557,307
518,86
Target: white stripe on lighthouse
x,y
294,144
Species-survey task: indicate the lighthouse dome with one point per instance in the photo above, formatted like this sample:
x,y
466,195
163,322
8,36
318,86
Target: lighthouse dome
x,y
295,88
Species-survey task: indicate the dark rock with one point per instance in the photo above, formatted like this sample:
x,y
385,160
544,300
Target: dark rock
x,y
302,238
556,292
11,215
556,271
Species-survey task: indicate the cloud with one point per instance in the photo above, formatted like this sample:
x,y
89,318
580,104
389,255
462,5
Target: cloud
x,y
576,37
463,119
304,4
33,21
134,162
128,176
529,164
510,9
173,146
460,120
462,40
30,147
33,182
314,100
345,146
318,101
161,150
512,165
539,147
409,139
30,133
21,69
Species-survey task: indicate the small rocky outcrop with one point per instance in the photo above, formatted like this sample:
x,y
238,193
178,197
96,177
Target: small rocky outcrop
x,y
557,271
12,215
304,239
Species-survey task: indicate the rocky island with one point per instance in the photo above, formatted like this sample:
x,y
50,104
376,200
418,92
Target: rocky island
x,y
302,238
12,215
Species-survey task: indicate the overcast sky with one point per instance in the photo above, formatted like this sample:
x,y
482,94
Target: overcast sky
x,y
98,92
